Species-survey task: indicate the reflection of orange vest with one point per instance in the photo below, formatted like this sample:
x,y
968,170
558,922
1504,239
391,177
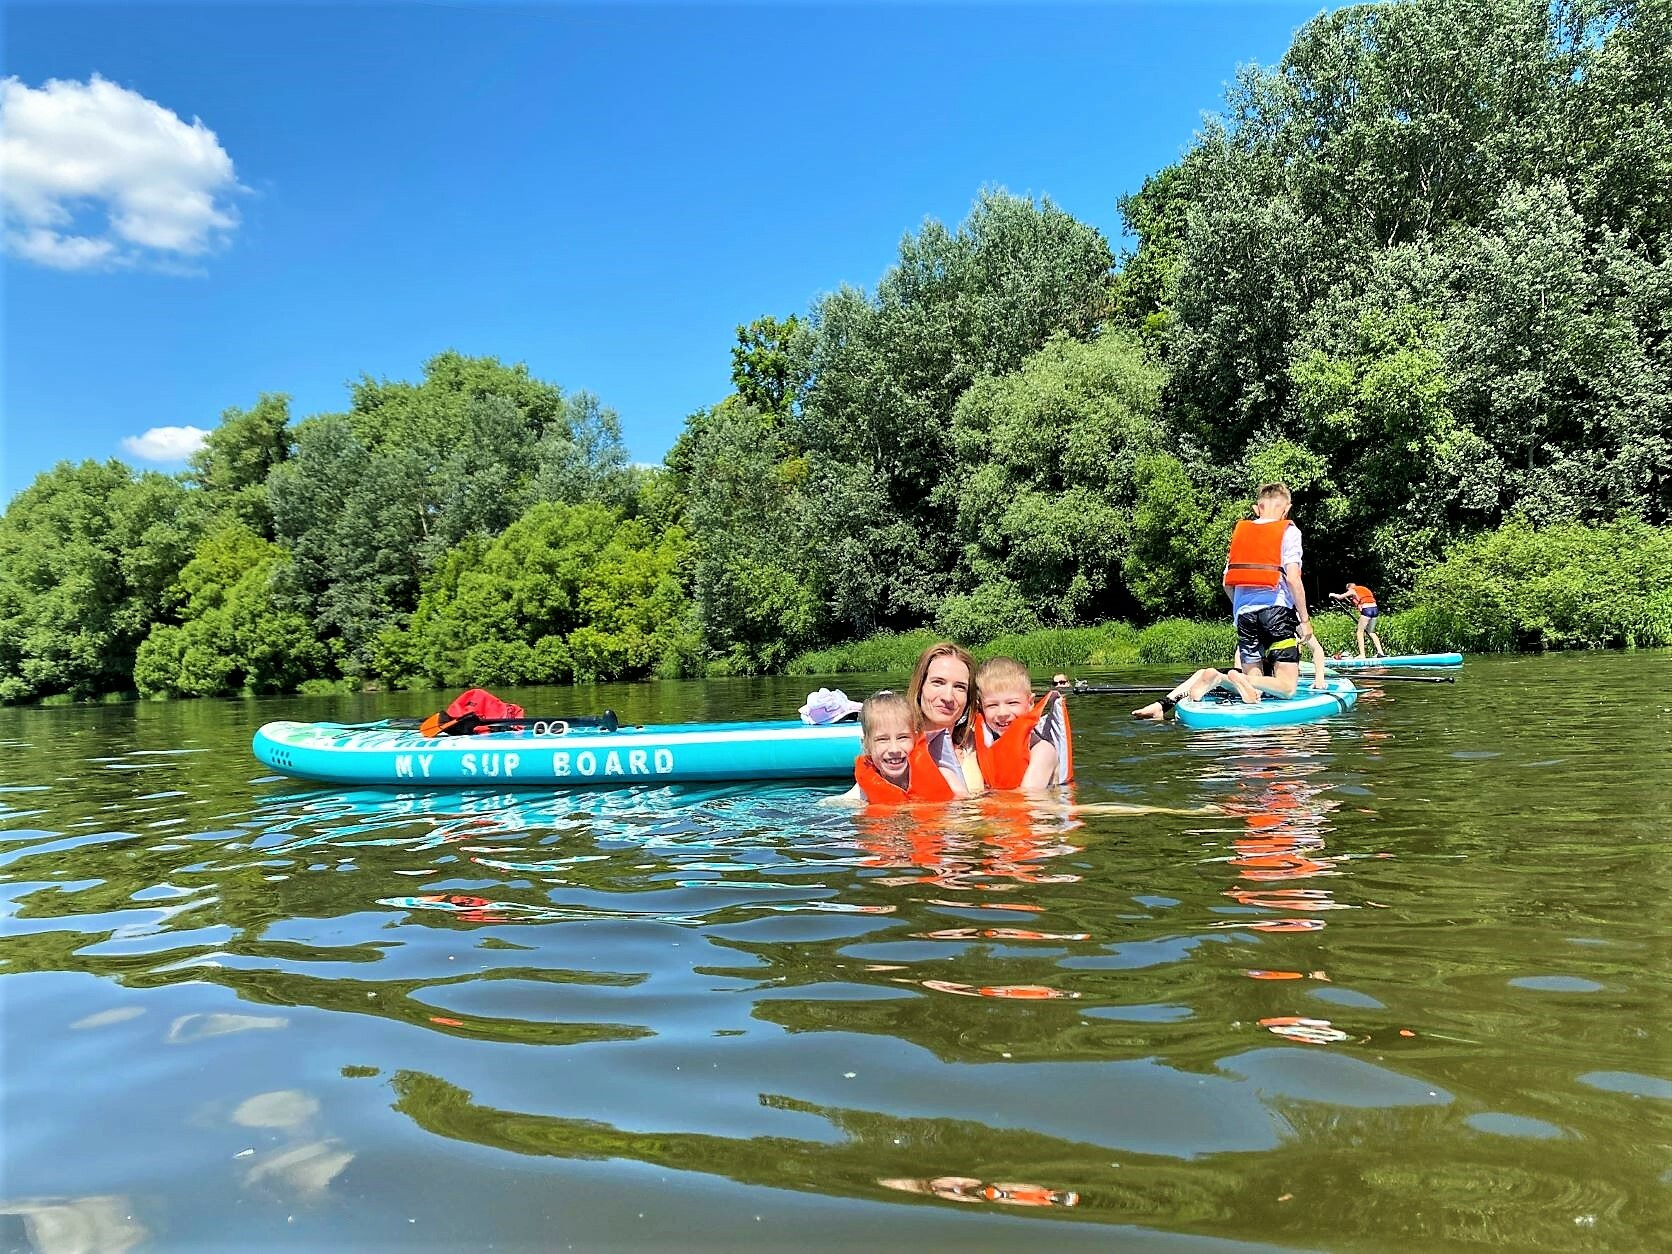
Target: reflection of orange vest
x,y
1256,559
926,781
1362,595
1005,761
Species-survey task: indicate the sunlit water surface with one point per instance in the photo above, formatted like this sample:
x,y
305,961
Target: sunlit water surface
x,y
1397,978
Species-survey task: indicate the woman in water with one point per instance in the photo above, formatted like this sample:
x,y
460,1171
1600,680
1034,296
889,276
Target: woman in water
x,y
943,697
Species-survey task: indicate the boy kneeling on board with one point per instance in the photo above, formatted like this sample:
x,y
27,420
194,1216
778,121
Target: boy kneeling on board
x,y
1268,605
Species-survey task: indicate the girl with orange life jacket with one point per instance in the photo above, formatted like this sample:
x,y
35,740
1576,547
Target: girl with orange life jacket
x,y
898,765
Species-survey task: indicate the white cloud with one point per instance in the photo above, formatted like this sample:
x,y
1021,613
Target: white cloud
x,y
165,444
93,175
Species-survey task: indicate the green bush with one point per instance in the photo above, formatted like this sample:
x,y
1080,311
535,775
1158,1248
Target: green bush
x,y
1179,641
996,608
877,653
1048,651
1560,587
328,687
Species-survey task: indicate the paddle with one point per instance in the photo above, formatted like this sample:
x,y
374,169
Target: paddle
x,y
1099,690
1368,675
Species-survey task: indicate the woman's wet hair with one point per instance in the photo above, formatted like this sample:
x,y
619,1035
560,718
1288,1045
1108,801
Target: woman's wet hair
x,y
961,733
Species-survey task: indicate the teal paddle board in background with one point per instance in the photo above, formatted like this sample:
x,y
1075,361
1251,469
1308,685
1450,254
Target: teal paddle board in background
x,y
1307,705
1401,659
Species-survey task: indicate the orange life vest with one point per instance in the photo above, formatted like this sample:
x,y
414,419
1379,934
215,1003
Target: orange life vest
x,y
1256,559
1362,596
926,783
1004,761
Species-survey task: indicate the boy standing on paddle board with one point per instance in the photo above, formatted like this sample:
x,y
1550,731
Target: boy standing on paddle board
x,y
1268,599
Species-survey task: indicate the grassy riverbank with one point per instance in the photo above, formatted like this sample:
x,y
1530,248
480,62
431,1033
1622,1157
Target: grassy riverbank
x,y
1515,589
1107,646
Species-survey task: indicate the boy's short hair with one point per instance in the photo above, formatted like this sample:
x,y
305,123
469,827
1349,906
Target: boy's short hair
x,y
1270,491
1002,674
878,704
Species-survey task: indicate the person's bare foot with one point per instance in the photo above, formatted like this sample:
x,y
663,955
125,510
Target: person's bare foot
x,y
1247,691
1153,710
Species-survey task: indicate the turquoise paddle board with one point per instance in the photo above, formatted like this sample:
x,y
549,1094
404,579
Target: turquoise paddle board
x,y
1401,659
1307,705
575,757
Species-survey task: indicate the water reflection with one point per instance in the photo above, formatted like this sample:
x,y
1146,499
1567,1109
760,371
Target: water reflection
x,y
991,844
1227,974
72,1225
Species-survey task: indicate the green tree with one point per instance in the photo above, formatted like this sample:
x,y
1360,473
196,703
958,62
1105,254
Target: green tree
x,y
234,636
1564,372
232,466
887,373
757,588
1046,462
88,552
567,590
1180,534
771,363
373,499
356,535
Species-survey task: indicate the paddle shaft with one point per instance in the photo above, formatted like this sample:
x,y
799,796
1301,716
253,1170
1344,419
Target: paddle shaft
x,y
1094,690
1368,675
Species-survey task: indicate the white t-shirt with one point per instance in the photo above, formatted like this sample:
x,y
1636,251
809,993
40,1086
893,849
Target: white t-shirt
x,y
1245,599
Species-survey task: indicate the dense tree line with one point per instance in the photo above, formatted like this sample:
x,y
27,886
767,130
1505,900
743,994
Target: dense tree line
x,y
1418,269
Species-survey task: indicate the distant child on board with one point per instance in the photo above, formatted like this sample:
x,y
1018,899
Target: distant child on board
x,y
1364,601
897,764
1019,742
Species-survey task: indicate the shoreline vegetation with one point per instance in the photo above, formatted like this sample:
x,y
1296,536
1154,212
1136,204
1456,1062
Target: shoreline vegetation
x,y
1418,270
1515,590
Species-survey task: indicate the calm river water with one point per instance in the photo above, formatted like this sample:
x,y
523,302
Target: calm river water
x,y
1399,978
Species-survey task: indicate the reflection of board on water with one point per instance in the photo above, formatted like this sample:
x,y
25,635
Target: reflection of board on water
x,y
638,816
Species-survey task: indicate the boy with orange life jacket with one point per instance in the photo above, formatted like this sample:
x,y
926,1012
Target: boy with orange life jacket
x,y
898,765
1019,742
1268,605
1364,601
1268,599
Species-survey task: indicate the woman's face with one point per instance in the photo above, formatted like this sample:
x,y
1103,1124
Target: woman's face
x,y
946,691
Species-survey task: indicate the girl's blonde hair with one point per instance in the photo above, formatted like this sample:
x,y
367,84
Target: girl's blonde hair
x,y
961,733
876,706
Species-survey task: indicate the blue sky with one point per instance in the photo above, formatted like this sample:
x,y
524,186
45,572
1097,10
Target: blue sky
x,y
282,198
